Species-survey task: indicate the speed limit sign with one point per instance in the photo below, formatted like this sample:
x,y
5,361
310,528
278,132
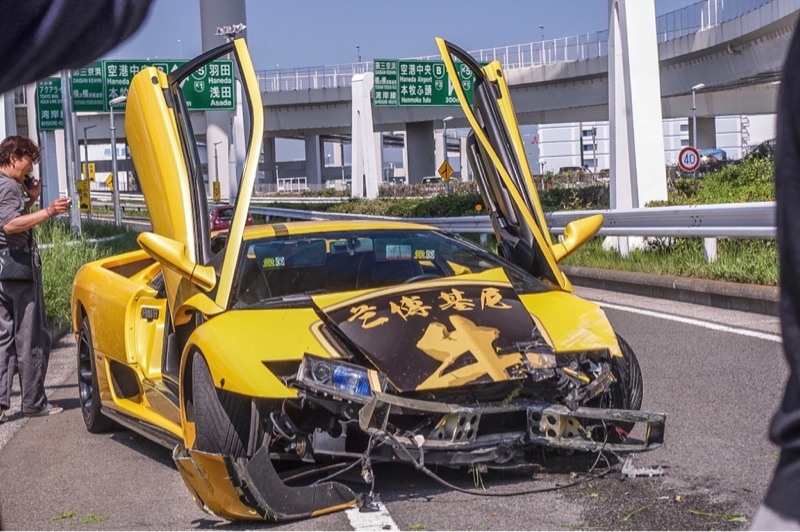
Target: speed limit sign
x,y
689,159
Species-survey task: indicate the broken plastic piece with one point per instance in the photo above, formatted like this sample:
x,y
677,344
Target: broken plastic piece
x,y
630,471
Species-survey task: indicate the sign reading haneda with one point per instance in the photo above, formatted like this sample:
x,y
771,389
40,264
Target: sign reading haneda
x,y
401,82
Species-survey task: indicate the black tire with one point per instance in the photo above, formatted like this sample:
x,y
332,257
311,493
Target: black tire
x,y
88,391
222,419
625,394
629,390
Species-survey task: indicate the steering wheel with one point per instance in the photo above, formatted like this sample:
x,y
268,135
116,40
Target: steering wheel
x,y
421,277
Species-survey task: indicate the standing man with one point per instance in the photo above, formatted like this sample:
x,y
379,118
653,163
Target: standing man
x,y
781,508
24,335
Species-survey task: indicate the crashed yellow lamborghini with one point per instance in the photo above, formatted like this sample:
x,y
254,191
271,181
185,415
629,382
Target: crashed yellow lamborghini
x,y
271,357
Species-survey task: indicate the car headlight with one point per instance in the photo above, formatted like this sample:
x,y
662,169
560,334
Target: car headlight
x,y
338,379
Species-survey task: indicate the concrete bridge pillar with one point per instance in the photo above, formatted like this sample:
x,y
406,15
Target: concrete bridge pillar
x,y
8,117
219,124
314,155
706,133
419,156
465,169
638,165
270,160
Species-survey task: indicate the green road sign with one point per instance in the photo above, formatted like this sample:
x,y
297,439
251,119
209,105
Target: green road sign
x,y
209,89
417,83
88,89
48,104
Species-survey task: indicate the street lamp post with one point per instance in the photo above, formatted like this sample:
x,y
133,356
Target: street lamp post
x,y
216,161
114,175
694,112
594,146
180,50
86,156
358,52
444,142
541,27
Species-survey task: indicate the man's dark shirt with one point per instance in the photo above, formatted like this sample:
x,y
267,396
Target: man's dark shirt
x,y
38,38
784,493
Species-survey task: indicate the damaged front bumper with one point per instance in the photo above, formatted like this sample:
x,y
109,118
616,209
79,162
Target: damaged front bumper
x,y
461,428
251,489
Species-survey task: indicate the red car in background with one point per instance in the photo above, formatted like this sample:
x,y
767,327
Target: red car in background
x,y
221,217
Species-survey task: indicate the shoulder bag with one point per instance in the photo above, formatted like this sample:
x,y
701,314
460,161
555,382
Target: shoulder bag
x,y
16,263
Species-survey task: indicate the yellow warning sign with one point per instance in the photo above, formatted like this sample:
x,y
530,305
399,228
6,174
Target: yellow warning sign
x,y
216,192
445,170
91,174
110,181
84,198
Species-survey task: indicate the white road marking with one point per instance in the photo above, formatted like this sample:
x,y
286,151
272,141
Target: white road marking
x,y
692,321
376,521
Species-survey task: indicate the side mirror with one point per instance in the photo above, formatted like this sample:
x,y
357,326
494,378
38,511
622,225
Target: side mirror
x,y
576,234
171,254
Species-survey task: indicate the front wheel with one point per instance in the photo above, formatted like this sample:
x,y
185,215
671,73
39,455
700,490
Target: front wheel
x,y
625,394
88,389
222,419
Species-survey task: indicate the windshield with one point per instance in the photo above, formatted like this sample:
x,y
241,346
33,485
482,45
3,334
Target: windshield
x,y
288,269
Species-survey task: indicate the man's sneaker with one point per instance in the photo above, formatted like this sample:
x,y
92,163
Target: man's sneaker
x,y
48,410
3,416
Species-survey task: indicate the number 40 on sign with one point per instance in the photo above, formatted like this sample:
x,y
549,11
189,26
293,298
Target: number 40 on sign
x,y
689,159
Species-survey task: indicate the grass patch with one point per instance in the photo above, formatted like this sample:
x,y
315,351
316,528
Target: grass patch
x,y
739,261
64,258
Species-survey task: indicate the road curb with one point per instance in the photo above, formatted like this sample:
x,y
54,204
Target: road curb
x,y
719,294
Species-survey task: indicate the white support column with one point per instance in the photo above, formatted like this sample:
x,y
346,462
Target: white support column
x,y
710,249
463,159
220,126
365,169
8,118
638,173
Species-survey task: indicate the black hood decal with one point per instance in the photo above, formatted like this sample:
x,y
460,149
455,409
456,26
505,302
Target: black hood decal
x,y
432,337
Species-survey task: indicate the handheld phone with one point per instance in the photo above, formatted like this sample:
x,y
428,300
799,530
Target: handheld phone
x,y
29,181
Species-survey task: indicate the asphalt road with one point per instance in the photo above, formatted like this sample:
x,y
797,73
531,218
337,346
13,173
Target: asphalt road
x,y
718,388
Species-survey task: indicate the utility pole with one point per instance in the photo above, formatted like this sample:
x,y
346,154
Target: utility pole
x,y
69,142
114,172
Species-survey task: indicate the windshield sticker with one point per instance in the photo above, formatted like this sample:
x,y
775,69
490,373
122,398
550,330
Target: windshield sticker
x,y
398,252
273,262
425,254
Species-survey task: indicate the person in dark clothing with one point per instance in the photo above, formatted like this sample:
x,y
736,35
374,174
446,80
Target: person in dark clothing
x,y
24,336
781,508
38,38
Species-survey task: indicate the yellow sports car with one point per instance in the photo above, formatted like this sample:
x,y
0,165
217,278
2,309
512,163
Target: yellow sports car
x,y
272,357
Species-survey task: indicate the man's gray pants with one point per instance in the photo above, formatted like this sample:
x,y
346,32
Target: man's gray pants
x,y
24,342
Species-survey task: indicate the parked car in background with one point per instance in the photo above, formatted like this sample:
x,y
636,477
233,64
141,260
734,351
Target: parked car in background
x,y
221,216
711,160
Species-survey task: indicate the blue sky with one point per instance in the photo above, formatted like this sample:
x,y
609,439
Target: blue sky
x,y
301,33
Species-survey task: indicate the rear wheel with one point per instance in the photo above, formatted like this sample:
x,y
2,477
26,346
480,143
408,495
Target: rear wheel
x,y
87,383
222,419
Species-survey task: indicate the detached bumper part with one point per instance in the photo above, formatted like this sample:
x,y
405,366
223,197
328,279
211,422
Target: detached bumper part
x,y
239,489
548,424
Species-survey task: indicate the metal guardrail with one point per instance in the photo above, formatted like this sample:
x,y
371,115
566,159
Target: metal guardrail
x,y
734,220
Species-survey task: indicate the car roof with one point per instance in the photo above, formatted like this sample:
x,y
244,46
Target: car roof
x,y
327,226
